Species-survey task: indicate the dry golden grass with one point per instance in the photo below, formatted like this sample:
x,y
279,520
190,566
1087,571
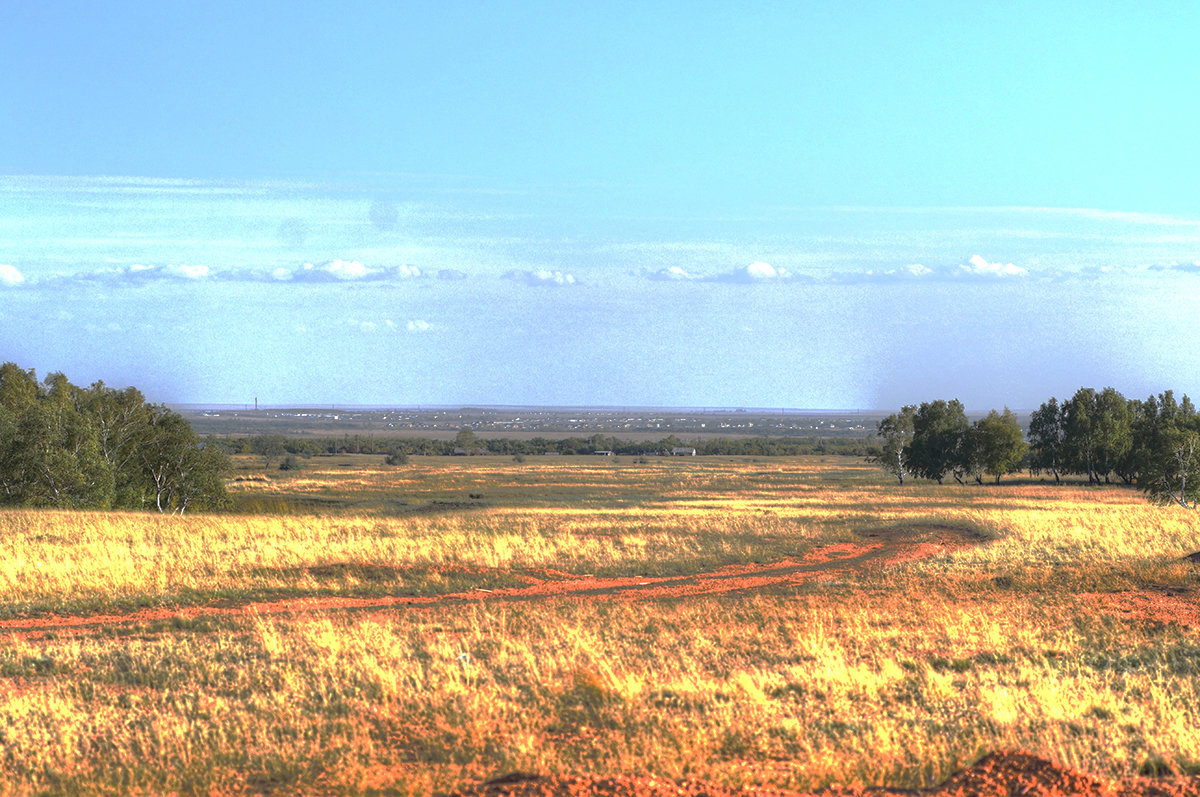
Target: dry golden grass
x,y
890,676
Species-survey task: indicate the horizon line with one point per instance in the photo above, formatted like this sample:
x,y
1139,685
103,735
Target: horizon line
x,y
706,410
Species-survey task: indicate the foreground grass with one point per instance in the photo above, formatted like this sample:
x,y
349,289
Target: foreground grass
x,y
893,676
799,691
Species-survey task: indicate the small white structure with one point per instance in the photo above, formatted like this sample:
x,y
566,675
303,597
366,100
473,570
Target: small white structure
x,y
683,451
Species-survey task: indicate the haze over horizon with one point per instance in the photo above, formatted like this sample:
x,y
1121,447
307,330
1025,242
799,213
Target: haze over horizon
x,y
532,203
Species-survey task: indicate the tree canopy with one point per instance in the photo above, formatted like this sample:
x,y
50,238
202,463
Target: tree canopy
x,y
67,446
1152,443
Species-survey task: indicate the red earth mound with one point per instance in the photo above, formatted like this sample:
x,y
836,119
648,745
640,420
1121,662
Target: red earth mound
x,y
1003,774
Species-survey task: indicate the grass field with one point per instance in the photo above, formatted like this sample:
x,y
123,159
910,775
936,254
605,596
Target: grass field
x,y
1071,630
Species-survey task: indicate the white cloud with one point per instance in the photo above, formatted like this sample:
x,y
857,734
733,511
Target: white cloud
x,y
763,271
187,272
910,272
672,274
980,267
344,271
10,276
419,326
335,270
542,276
347,269
757,271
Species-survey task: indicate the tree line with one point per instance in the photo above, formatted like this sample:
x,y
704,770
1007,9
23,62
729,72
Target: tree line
x,y
273,447
97,447
1153,443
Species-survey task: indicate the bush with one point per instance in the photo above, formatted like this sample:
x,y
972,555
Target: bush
x,y
290,462
396,458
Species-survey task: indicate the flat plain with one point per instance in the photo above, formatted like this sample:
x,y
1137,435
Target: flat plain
x,y
789,623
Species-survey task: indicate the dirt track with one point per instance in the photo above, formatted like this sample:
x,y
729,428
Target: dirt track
x,y
880,546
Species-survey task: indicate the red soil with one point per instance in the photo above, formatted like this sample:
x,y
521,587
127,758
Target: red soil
x,y
1003,774
1168,605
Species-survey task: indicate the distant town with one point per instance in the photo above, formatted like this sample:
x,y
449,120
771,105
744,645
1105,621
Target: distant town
x,y
524,422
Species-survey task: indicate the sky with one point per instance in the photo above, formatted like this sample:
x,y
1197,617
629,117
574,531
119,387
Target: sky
x,y
778,204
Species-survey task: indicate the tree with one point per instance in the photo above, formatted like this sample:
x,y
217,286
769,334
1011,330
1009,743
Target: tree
x,y
999,442
1168,439
121,419
938,429
184,473
18,393
894,432
61,445
1112,431
1174,476
1142,422
50,455
268,446
1046,436
18,389
467,442
1080,433
967,459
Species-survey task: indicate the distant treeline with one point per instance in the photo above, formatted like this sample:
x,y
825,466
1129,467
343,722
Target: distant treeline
x,y
1152,443
273,447
67,446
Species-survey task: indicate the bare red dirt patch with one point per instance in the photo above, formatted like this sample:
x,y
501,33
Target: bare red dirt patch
x,y
1000,774
1168,605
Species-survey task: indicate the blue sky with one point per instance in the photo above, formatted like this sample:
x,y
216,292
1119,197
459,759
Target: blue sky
x,y
794,204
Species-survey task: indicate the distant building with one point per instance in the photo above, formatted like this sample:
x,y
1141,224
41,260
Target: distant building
x,y
603,453
683,451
